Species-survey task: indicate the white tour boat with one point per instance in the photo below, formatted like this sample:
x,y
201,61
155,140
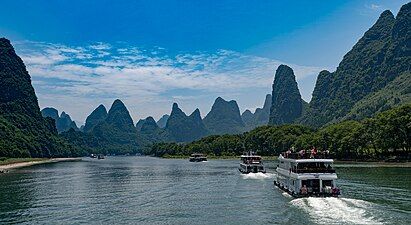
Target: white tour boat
x,y
251,163
197,157
302,174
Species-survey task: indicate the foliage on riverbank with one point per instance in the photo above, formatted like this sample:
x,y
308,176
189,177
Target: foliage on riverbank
x,y
385,135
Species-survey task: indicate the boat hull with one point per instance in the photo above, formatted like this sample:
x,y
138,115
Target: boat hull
x,y
299,195
197,160
246,169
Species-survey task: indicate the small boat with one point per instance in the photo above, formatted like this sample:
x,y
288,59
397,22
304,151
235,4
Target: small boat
x,y
100,156
251,163
197,157
93,156
304,175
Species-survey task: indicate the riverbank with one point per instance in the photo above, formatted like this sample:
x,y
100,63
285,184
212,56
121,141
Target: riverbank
x,y
341,163
15,163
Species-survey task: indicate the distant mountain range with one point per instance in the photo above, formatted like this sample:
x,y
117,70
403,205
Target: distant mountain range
x,y
183,128
224,118
63,122
163,121
373,77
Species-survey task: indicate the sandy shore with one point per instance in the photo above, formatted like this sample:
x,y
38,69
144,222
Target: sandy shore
x,y
5,168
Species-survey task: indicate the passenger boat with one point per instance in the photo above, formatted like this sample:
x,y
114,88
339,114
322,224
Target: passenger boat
x,y
100,156
303,174
251,163
197,157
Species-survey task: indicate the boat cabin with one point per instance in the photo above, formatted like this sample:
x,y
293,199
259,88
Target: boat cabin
x,y
306,176
197,157
251,159
251,164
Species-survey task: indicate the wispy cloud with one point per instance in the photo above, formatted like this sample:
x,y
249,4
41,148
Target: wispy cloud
x,y
374,7
65,76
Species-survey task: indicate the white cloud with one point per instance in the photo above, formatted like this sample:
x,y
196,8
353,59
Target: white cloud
x,y
67,75
374,7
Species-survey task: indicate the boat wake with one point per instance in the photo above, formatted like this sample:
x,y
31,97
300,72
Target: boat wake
x,y
338,210
258,176
285,194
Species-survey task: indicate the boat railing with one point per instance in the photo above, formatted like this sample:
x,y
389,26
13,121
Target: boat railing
x,y
306,155
256,162
313,170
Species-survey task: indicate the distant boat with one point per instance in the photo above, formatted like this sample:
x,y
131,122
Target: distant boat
x,y
302,175
100,156
251,163
93,156
197,157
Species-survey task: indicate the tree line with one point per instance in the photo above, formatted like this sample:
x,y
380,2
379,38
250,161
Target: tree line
x,y
388,134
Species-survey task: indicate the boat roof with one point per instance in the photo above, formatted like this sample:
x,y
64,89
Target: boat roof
x,y
250,156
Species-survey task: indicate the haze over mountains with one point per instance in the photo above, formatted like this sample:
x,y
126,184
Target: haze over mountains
x,y
374,76
260,116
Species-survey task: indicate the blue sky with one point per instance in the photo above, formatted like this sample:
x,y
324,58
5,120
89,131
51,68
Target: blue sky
x,y
153,53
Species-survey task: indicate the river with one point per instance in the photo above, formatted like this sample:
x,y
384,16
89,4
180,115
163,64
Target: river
x,y
145,190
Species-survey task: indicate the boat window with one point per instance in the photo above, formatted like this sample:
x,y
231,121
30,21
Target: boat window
x,y
314,167
312,185
327,183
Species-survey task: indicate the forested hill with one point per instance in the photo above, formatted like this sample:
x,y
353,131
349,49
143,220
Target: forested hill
x,y
183,128
23,130
224,118
286,104
378,58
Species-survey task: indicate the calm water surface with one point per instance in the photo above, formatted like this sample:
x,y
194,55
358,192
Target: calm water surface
x,y
144,190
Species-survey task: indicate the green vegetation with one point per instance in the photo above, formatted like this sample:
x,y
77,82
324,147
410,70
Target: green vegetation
x,y
387,134
98,115
287,104
183,128
224,118
397,92
108,133
63,122
23,130
379,57
372,78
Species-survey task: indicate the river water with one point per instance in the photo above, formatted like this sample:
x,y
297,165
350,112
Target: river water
x,y
145,190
